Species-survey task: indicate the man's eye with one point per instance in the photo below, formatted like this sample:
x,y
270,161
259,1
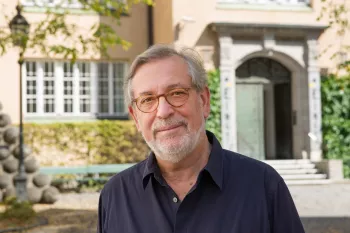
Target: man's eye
x,y
178,93
147,100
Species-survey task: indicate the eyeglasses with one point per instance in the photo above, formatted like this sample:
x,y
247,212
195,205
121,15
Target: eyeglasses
x,y
176,98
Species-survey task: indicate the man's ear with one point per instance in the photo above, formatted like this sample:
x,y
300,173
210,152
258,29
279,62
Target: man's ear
x,y
134,117
205,98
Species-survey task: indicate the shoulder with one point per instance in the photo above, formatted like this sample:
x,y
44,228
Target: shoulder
x,y
250,169
126,179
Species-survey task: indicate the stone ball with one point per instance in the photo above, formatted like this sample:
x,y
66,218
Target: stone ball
x,y
10,165
26,151
4,120
34,194
11,135
4,153
10,192
41,180
31,165
50,195
5,181
1,196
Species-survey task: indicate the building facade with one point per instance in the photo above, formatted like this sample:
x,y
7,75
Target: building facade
x,y
266,51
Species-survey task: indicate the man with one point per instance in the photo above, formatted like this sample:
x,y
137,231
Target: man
x,y
188,183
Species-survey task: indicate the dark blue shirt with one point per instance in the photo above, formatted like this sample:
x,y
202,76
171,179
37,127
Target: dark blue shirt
x,y
233,193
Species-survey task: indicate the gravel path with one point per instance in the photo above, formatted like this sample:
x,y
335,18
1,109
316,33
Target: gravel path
x,y
323,209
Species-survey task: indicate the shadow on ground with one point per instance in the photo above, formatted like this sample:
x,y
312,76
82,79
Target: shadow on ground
x,y
326,224
68,221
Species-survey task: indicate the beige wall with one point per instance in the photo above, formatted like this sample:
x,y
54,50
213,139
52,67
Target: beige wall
x,y
9,69
163,21
198,34
133,28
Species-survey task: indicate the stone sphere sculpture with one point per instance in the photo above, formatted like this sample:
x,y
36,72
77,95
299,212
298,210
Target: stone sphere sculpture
x,y
39,189
4,120
11,135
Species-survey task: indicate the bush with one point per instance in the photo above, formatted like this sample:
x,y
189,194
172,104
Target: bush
x,y
98,142
214,120
16,210
336,119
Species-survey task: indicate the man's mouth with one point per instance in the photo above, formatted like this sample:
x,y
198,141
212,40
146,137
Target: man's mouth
x,y
168,128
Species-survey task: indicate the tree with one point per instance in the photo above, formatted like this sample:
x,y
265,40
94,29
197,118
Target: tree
x,y
102,36
337,14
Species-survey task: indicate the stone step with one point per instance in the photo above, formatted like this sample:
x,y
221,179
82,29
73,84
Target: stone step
x,y
304,177
308,182
287,161
296,171
293,166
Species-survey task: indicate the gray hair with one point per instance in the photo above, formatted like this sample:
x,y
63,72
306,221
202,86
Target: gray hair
x,y
195,66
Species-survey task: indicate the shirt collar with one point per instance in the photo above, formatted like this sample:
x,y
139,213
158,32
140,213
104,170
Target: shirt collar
x,y
214,165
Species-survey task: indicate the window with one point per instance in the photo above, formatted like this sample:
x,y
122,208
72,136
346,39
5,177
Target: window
x,y
31,87
83,89
110,88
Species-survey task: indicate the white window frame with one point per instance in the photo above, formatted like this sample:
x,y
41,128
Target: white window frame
x,y
111,112
59,92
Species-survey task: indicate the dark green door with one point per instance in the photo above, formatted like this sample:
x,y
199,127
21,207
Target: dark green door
x,y
250,120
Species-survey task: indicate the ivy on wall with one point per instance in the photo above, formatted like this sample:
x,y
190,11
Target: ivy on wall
x,y
336,119
214,120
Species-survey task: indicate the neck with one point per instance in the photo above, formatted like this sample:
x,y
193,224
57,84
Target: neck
x,y
189,167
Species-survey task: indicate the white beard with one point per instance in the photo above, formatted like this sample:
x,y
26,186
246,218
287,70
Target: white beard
x,y
175,152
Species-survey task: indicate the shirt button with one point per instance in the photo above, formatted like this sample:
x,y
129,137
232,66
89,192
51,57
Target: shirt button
x,y
175,199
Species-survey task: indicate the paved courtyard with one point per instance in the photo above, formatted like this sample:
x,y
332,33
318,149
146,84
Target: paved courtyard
x,y
323,209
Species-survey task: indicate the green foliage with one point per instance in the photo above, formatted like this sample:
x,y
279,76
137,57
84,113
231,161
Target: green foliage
x,y
19,211
336,119
98,142
214,121
76,40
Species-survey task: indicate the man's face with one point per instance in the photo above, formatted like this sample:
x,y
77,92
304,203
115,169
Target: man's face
x,y
171,132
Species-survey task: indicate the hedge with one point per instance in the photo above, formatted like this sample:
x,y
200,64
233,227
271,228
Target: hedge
x,y
98,142
336,119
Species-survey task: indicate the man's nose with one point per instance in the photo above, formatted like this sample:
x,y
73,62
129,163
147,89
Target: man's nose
x,y
164,109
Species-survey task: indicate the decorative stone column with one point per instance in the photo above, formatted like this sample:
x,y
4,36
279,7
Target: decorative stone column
x,y
314,88
228,93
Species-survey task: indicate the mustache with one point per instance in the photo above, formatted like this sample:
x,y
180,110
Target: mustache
x,y
167,122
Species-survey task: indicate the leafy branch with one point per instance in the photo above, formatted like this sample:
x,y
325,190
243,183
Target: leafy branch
x,y
76,40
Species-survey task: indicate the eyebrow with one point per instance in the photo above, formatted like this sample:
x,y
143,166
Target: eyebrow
x,y
172,86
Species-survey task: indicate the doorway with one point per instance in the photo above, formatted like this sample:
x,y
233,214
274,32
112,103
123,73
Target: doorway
x,y
264,109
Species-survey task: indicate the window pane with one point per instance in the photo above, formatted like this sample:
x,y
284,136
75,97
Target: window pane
x,y
31,69
84,105
49,87
118,77
49,69
84,86
103,94
68,105
67,69
68,87
31,105
31,86
49,105
103,105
